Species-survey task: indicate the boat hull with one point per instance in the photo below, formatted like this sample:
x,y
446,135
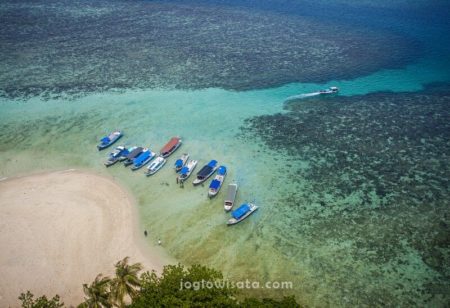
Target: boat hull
x,y
233,221
198,181
104,146
153,171
145,162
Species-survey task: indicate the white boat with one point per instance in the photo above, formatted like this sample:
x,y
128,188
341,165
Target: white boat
x,y
157,164
242,213
330,90
206,171
231,196
217,182
180,162
186,171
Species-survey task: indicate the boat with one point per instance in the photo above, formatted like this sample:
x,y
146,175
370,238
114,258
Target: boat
x,y
170,147
181,162
155,165
241,213
109,140
143,159
186,171
132,155
205,172
330,90
217,182
116,155
231,196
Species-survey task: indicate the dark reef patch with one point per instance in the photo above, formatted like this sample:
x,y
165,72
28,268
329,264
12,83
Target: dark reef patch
x,y
372,184
53,47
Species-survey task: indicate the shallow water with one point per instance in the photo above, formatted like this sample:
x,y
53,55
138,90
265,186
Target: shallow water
x,y
331,260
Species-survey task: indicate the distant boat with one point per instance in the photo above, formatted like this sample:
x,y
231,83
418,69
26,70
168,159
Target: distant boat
x,y
241,213
205,172
231,196
109,140
217,182
132,155
186,171
116,155
181,162
143,159
330,90
155,165
170,147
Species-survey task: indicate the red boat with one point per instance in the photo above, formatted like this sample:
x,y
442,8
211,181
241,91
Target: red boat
x,y
170,147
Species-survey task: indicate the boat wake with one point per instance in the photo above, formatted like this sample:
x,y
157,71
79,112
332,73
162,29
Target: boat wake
x,y
301,96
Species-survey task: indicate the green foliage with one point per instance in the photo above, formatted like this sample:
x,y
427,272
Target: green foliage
x,y
170,289
97,294
195,286
40,302
286,302
126,283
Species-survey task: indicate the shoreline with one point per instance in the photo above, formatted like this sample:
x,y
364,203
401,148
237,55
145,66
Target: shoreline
x,y
59,229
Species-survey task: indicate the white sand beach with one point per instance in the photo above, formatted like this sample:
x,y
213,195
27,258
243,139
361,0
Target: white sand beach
x,y
59,230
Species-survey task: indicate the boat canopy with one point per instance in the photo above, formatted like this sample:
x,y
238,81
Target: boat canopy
x,y
142,157
184,170
222,170
170,145
134,153
232,189
179,163
212,163
105,140
215,184
241,211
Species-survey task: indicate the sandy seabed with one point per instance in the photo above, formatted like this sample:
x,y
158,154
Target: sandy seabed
x,y
59,230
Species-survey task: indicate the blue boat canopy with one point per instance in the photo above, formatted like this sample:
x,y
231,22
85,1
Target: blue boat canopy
x,y
214,184
179,163
141,158
241,211
184,170
222,170
212,163
105,139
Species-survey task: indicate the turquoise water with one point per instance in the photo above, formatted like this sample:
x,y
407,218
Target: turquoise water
x,y
44,134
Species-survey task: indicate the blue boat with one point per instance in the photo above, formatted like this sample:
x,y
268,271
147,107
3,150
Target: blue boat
x,y
116,155
109,140
217,182
186,171
132,155
180,162
143,159
205,172
241,213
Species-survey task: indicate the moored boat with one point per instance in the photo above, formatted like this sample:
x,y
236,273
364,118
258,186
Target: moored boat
x,y
180,162
143,159
217,182
155,165
206,171
186,171
170,147
109,140
241,213
231,197
116,155
132,155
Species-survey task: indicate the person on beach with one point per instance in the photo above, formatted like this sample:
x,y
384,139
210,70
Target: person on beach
x,y
159,242
145,233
